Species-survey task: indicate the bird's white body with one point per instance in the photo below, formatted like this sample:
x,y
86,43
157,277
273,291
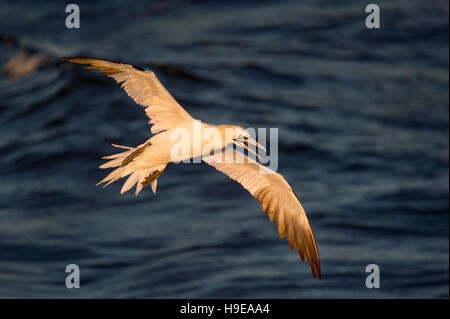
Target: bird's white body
x,y
179,137
160,150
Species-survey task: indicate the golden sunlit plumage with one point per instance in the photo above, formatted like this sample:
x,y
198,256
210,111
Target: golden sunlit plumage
x,y
146,162
278,200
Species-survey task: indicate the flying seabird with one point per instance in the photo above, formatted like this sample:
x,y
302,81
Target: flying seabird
x,y
145,163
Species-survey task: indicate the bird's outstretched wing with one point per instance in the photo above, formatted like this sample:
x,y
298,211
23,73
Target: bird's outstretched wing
x,y
278,201
145,89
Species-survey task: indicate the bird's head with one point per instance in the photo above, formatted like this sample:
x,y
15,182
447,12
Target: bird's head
x,y
240,136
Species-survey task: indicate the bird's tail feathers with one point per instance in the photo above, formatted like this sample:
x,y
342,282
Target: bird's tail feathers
x,y
138,177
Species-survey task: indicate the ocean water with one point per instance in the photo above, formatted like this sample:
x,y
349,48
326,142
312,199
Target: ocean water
x,y
363,122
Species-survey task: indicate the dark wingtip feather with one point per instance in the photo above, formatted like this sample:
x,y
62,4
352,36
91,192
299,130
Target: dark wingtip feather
x,y
71,59
315,268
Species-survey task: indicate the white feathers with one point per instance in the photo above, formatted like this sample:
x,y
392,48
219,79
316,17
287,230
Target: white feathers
x,y
131,181
137,176
145,89
154,183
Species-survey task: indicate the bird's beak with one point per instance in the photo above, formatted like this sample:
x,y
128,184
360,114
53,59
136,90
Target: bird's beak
x,y
247,141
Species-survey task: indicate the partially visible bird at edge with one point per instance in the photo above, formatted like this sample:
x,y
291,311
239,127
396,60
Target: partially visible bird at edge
x,y
145,163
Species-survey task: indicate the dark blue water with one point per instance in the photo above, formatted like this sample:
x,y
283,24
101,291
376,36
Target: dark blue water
x,y
363,140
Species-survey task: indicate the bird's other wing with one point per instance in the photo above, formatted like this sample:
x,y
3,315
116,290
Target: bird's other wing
x,y
145,89
278,201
